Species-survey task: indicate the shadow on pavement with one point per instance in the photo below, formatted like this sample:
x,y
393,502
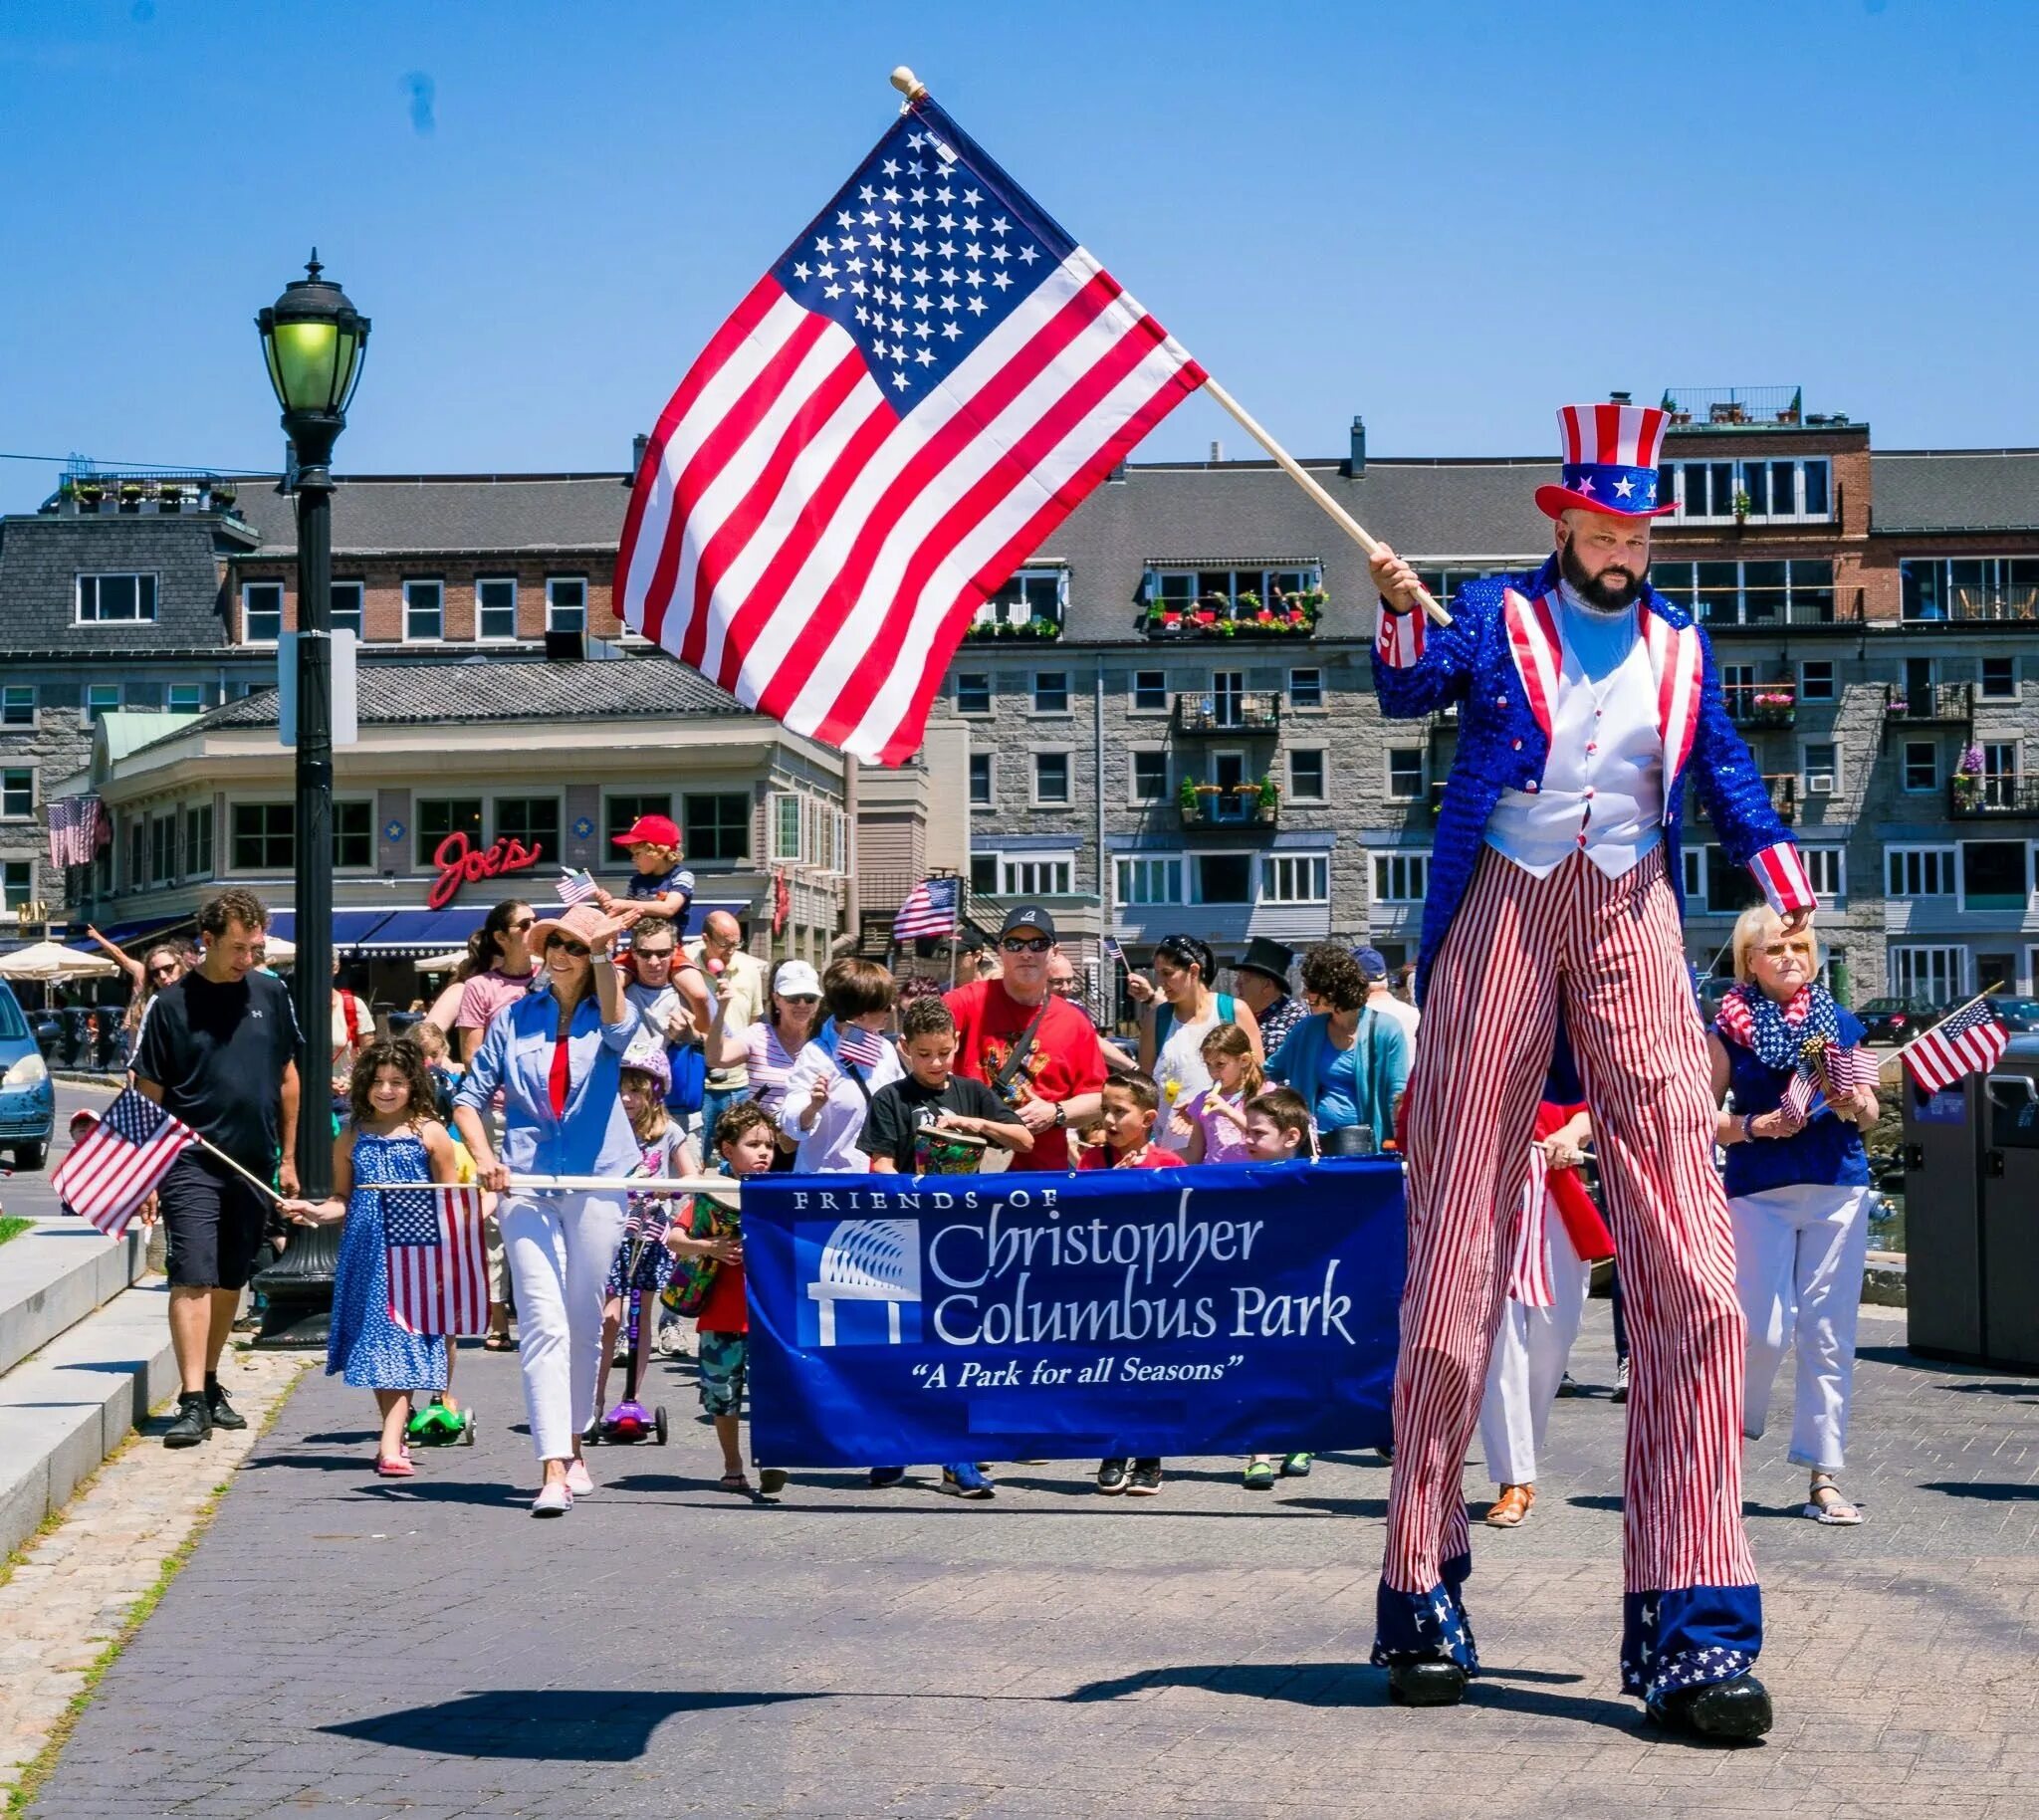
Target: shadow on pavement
x,y
1988,1492
545,1724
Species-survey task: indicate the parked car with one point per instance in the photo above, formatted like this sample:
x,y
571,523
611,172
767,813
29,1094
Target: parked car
x,y
2018,1014
1712,992
28,1099
1896,1020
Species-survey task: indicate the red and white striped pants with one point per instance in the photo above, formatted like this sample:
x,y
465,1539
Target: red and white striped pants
x,y
1609,952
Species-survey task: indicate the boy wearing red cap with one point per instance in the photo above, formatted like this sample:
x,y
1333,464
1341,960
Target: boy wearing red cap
x,y
660,885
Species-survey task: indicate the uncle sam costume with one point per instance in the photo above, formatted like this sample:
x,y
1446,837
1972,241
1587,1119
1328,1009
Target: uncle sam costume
x,y
1555,883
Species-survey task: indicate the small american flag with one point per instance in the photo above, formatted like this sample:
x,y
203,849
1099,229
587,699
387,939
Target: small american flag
x,y
575,887
1114,952
74,831
929,380
1834,1076
860,1047
1965,1044
929,911
438,1263
118,1164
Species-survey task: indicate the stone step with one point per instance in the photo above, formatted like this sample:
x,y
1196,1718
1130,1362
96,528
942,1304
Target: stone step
x,y
50,1279
65,1409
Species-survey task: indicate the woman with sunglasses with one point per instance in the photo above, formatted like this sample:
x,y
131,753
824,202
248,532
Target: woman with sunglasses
x,y
161,964
507,969
1178,1009
770,1046
555,1055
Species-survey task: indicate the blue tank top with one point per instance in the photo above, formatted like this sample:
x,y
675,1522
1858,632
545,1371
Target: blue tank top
x,y
1828,1152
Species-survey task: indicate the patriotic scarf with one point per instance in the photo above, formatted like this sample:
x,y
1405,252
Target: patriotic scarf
x,y
1780,1036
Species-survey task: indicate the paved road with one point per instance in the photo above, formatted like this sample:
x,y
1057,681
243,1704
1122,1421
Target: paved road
x,y
340,1644
27,1191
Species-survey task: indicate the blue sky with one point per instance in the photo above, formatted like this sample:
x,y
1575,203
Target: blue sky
x,y
1450,217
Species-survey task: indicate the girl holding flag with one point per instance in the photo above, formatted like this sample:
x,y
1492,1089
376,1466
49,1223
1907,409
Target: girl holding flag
x,y
1798,1188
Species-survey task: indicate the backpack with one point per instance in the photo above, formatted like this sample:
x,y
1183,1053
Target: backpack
x,y
693,1277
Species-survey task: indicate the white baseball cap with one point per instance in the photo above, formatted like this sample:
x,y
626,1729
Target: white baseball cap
x,y
797,980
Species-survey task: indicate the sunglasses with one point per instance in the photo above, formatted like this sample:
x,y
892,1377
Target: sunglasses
x,y
163,972
802,998
1025,944
517,928
653,954
578,950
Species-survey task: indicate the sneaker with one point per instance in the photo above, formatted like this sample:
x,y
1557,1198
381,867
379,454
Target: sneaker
x,y
1568,1386
770,1480
882,1477
1111,1477
966,1481
1297,1465
553,1500
577,1481
193,1422
224,1414
1258,1476
1621,1381
1145,1478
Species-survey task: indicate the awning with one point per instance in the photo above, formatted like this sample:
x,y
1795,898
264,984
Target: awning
x,y
418,930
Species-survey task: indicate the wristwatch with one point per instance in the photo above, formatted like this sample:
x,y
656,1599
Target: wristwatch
x,y
1061,1115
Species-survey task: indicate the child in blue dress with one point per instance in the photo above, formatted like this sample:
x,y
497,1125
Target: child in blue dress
x,y
392,1137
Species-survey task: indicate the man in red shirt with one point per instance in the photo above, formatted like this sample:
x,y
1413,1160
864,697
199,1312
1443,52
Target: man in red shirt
x,y
1036,1050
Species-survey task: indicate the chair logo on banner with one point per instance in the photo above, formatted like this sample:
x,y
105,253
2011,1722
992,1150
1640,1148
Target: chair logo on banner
x,y
865,1286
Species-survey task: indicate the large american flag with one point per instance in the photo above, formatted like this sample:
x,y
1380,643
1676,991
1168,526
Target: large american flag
x,y
1965,1044
74,831
118,1162
927,382
438,1262
929,911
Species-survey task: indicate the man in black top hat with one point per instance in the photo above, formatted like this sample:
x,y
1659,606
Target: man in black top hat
x,y
1261,977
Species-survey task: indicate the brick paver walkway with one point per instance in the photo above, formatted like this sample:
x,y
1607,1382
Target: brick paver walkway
x,y
340,1645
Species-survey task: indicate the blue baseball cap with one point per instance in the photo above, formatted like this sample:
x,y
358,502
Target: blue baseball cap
x,y
1372,963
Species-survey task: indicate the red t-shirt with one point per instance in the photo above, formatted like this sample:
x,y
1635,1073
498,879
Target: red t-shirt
x,y
726,1308
1064,1060
1099,1156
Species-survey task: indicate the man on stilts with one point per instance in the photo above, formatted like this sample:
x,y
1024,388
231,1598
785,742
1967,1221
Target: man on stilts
x,y
1586,700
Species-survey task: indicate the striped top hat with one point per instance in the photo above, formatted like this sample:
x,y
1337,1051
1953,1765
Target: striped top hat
x,y
1610,461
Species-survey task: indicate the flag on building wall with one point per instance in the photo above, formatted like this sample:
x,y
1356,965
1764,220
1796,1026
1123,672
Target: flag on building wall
x,y
929,911
118,1162
438,1262
927,382
75,832
1967,1043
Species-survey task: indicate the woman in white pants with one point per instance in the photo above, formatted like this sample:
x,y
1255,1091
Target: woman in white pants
x,y
556,1057
1798,1188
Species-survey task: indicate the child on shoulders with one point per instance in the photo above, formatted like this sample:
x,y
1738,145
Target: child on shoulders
x,y
659,884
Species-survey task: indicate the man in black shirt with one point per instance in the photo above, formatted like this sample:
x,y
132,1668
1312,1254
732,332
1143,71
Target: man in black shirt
x,y
219,1051
931,1094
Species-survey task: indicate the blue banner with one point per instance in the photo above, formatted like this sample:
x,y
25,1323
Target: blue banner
x,y
899,1319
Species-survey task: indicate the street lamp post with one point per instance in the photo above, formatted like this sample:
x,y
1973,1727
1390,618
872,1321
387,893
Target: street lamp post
x,y
312,339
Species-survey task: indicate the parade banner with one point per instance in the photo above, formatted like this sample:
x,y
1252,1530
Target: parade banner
x,y
902,1320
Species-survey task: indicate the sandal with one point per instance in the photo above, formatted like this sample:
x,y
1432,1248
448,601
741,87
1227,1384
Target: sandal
x,y
1840,1513
1511,1509
735,1481
1258,1476
394,1469
498,1342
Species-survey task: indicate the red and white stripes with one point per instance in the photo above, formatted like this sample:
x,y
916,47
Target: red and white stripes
x,y
1611,435
1608,951
1781,873
1398,639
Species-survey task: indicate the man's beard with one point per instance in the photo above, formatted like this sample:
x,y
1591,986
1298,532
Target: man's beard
x,y
1614,590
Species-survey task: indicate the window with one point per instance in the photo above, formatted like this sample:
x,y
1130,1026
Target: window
x,y
1230,592
137,850
1150,774
424,612
17,883
261,612
17,794
1408,773
1228,698
1798,592
265,837
18,705
1935,973
1921,765
717,825
1822,767
495,608
1030,595
1694,860
1919,871
1755,489
1034,875
1306,772
187,698
1051,692
565,603
1306,688
435,817
1050,776
534,820
1401,878
1295,878
1996,874
1150,691
116,599
619,812
347,600
2000,679
198,841
2000,774
162,849
1971,588
1816,682
1729,888
1150,881
99,698
973,692
979,779
785,826
1224,878
984,875
1827,870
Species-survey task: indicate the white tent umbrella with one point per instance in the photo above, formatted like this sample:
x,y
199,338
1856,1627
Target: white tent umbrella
x,y
276,952
441,963
53,960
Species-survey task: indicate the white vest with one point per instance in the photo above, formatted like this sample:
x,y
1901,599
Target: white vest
x,y
1602,791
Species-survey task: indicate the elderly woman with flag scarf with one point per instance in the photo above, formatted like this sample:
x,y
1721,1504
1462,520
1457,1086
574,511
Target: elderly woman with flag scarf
x,y
1798,1188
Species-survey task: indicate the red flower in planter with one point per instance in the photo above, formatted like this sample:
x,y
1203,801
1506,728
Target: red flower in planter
x,y
1170,617
1206,617
1265,617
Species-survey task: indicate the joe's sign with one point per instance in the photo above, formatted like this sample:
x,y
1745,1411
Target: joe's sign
x,y
461,864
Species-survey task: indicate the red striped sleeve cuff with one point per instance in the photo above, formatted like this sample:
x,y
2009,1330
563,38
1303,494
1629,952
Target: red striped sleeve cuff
x,y
1398,639
1781,873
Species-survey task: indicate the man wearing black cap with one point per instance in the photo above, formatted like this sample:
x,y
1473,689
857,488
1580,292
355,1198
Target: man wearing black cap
x,y
1262,979
1030,1046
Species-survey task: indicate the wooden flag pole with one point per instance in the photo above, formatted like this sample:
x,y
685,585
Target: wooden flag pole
x,y
910,85
1896,1055
247,1175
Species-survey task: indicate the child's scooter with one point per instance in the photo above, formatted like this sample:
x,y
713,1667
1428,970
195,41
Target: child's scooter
x,y
629,1421
437,1426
